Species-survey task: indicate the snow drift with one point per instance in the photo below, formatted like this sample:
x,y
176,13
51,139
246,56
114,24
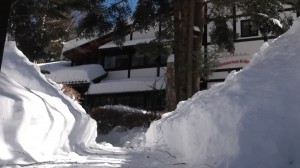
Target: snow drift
x,y
37,121
250,120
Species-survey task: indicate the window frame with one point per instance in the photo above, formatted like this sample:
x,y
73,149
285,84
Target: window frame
x,y
117,62
249,32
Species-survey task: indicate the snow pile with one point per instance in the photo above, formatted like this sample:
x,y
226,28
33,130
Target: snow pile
x,y
37,122
251,120
123,137
127,109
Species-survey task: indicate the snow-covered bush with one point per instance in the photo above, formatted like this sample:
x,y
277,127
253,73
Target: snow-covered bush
x,y
123,137
110,116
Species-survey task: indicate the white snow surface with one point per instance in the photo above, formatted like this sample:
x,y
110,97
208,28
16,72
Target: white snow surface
x,y
123,137
250,120
127,43
277,22
75,43
37,122
62,72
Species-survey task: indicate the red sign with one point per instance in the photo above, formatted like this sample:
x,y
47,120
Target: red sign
x,y
240,61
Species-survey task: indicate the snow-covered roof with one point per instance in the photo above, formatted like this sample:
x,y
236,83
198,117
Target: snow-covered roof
x,y
127,43
62,72
75,43
52,66
127,85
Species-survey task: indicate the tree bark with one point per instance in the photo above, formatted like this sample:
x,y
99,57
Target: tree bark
x,y
180,46
187,14
5,8
189,49
199,22
177,44
170,87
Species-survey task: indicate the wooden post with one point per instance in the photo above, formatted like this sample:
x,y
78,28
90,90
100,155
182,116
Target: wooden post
x,y
5,8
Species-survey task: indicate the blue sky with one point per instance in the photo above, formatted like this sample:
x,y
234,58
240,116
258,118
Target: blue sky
x,y
131,2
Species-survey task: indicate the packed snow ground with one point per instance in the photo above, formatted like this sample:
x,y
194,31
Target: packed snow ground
x,y
250,120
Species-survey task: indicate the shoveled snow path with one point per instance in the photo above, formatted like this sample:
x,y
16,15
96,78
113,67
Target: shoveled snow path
x,y
108,156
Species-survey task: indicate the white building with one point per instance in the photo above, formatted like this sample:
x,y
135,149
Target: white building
x,y
124,77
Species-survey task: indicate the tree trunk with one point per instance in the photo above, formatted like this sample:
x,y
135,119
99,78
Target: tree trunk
x,y
199,22
170,87
177,44
189,48
180,46
5,8
187,14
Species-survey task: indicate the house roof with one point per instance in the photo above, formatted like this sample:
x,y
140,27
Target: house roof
x,y
62,72
126,43
77,50
88,48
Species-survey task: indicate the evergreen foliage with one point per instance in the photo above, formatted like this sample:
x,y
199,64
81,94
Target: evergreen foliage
x,y
155,14
40,27
97,19
222,35
263,14
149,13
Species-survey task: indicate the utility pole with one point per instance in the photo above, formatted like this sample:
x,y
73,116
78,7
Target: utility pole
x,y
5,8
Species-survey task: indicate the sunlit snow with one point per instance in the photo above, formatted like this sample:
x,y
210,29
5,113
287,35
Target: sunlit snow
x,y
251,120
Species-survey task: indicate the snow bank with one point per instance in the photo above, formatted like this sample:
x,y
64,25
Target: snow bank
x,y
37,122
251,120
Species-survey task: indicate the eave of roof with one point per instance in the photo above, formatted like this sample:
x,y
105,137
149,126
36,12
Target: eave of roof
x,y
86,49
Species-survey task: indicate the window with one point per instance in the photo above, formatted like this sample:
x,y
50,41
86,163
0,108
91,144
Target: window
x,y
107,100
116,62
163,59
143,60
247,29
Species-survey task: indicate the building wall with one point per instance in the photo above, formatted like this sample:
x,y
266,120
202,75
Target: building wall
x,y
245,47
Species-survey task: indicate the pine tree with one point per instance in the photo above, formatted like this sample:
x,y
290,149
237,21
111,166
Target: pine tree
x,y
264,15
98,19
40,27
